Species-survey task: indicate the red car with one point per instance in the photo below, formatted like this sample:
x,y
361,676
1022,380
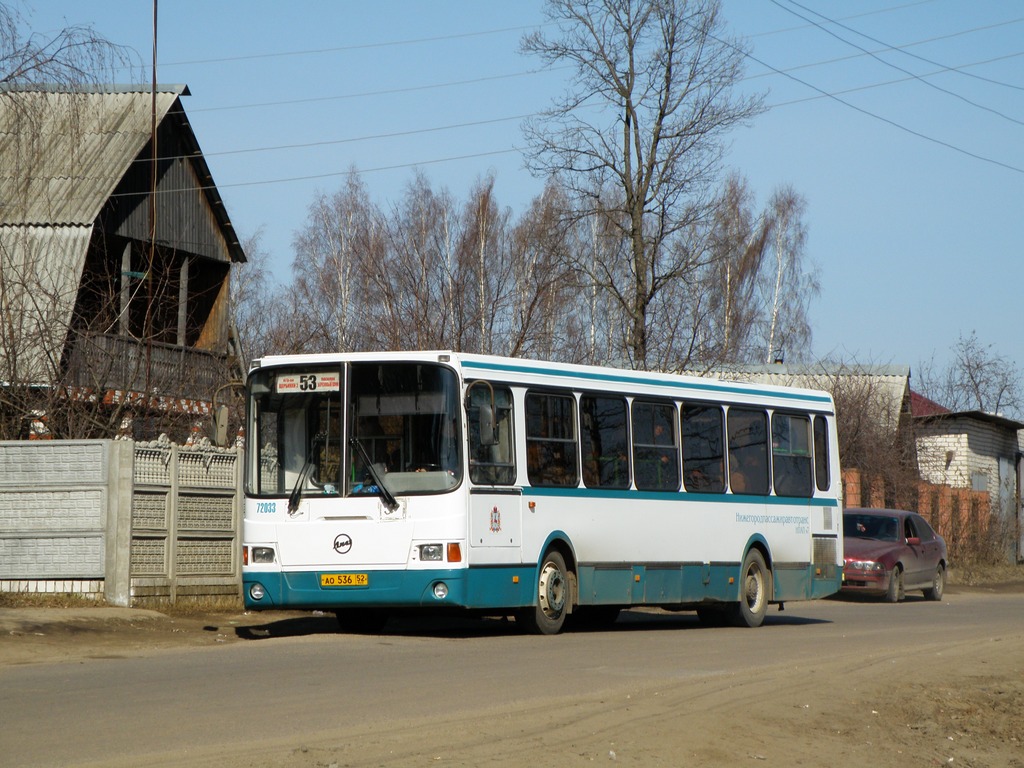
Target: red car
x,y
890,551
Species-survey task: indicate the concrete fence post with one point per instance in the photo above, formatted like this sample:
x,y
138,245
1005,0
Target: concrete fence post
x,y
120,487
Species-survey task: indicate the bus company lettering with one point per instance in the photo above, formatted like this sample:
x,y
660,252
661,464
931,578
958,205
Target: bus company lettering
x,y
342,543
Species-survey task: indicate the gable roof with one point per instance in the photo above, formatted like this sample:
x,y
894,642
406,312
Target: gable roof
x,y
928,410
922,406
65,153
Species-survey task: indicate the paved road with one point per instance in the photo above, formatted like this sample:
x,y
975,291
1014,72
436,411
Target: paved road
x,y
279,689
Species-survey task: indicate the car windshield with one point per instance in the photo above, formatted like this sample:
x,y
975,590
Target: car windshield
x,y
880,527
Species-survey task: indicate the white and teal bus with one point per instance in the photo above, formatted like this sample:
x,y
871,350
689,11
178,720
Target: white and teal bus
x,y
378,483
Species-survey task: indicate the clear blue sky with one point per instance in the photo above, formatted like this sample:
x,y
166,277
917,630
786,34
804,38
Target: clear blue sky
x,y
914,185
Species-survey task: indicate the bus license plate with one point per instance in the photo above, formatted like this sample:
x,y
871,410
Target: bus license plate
x,y
344,580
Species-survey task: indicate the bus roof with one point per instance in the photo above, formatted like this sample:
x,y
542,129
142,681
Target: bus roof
x,y
554,374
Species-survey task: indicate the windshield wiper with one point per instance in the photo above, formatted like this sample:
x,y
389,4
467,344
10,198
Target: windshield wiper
x,y
389,498
296,494
304,473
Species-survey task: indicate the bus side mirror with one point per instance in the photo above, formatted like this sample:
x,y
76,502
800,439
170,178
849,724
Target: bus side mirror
x,y
220,426
487,435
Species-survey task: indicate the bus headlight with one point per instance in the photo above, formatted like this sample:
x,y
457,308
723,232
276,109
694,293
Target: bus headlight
x,y
431,551
263,554
256,592
440,590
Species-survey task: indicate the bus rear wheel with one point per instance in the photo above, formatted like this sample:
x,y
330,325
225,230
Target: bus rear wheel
x,y
547,615
755,591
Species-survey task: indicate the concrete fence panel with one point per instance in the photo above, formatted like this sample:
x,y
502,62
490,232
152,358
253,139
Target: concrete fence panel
x,y
134,524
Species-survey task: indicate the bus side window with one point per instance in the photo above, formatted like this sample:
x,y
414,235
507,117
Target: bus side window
x,y
655,450
791,455
491,464
551,448
703,449
821,454
604,442
748,451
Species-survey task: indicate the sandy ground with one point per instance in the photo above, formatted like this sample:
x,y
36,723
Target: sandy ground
x,y
964,707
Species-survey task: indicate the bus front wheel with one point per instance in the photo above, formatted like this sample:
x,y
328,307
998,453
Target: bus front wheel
x,y
547,615
755,591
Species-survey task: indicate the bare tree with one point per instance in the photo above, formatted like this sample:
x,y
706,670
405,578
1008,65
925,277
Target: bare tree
x,y
638,140
748,297
542,313
255,301
72,56
789,285
37,291
334,255
418,274
976,379
725,313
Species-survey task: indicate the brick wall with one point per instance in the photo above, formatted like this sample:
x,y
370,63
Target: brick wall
x,y
961,516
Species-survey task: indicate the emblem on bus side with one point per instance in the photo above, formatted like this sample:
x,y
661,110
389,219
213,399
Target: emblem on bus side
x,y
495,520
342,543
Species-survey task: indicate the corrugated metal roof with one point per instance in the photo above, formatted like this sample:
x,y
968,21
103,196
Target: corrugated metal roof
x,y
40,269
64,152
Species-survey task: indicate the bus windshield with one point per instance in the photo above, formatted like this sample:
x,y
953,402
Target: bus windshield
x,y
312,436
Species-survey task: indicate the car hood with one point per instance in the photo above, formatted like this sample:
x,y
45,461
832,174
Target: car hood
x,y
868,549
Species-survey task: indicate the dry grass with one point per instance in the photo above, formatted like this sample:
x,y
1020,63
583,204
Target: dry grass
x,y
48,600
184,607
981,574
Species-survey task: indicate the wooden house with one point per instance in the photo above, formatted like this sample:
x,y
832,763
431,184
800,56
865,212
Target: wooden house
x,y
115,252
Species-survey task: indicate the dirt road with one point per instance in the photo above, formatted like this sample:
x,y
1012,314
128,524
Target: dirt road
x,y
942,702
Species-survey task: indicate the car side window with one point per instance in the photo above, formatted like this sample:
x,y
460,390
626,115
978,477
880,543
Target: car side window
x,y
921,529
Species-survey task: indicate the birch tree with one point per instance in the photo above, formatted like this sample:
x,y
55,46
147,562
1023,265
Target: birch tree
x,y
341,235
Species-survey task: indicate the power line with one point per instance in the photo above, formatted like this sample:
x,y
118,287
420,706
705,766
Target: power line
x,y
394,135
846,18
907,72
886,120
872,86
386,92
960,68
346,48
328,142
328,175
902,48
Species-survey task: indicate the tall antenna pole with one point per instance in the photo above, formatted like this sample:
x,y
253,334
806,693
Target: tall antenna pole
x,y
148,325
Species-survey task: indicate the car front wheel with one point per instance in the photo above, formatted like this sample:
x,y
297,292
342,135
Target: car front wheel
x,y
895,592
934,592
